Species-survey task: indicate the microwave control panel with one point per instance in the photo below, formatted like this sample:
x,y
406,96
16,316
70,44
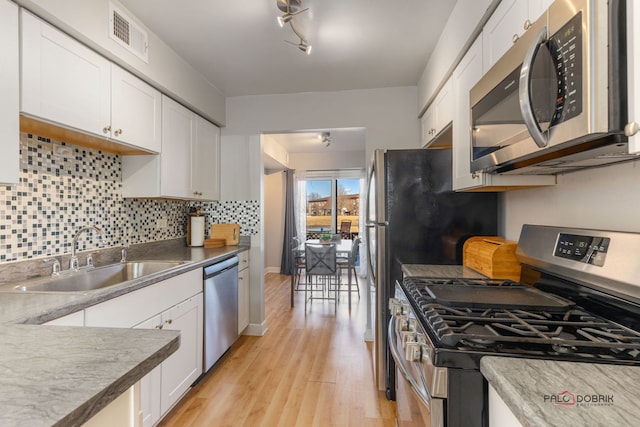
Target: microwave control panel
x,y
565,47
587,249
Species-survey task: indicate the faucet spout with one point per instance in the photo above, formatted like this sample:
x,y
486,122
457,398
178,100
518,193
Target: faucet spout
x,y
73,262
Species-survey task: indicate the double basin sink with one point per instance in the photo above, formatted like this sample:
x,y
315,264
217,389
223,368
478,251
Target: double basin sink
x,y
93,279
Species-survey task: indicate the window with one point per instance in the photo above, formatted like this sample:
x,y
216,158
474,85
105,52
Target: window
x,y
332,206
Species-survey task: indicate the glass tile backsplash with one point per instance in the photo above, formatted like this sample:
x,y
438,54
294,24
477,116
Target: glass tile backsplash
x,y
64,187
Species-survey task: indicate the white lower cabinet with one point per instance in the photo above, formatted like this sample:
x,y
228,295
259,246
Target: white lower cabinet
x,y
177,304
184,366
73,319
499,413
122,412
243,291
150,384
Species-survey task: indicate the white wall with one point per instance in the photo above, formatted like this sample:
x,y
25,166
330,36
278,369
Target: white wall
x,y
274,203
88,21
602,198
388,115
327,161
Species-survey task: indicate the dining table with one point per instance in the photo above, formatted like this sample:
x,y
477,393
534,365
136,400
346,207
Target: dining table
x,y
343,250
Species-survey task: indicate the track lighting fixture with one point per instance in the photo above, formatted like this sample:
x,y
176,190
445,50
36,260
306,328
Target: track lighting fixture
x,y
284,19
291,9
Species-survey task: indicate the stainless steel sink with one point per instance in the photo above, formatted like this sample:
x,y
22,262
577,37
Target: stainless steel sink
x,y
95,278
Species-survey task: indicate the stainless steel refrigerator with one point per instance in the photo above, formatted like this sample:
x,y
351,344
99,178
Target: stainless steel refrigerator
x,y
414,217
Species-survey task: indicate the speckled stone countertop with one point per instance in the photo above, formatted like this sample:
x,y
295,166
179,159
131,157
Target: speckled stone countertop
x,y
58,375
532,389
439,271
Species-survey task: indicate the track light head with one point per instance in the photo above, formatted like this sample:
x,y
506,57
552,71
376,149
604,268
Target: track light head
x,y
287,17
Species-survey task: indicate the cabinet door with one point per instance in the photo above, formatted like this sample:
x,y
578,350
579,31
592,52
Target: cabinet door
x,y
150,383
444,107
175,159
466,74
428,125
205,161
536,8
62,80
10,99
504,27
243,300
136,111
184,366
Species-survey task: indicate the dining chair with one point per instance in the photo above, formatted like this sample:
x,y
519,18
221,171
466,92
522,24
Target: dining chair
x,y
348,263
345,229
298,262
321,270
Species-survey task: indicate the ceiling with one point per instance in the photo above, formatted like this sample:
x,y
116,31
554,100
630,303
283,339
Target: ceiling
x,y
357,44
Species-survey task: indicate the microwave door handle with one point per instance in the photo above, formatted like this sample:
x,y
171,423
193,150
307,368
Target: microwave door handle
x,y
525,91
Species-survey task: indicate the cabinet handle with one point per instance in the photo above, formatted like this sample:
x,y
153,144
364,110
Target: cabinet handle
x,y
118,132
631,129
106,129
169,321
527,24
515,38
160,326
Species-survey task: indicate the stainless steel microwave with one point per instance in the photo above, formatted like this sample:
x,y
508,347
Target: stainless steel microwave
x,y
557,100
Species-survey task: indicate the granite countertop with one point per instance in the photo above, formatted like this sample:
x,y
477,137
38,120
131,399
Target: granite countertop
x,y
440,271
533,389
58,375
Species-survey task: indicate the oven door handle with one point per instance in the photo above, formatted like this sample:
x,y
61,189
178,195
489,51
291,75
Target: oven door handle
x,y
524,90
401,364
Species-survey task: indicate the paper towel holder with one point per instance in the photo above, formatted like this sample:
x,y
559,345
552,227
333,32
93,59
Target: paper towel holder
x,y
195,227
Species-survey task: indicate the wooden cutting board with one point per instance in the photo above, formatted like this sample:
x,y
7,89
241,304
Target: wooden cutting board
x,y
229,232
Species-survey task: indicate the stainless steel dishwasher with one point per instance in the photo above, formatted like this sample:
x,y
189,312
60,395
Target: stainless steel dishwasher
x,y
220,309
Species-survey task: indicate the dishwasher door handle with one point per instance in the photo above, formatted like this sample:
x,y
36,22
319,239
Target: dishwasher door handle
x,y
220,267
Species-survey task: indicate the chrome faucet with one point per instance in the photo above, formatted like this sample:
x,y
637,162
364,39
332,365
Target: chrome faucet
x,y
73,262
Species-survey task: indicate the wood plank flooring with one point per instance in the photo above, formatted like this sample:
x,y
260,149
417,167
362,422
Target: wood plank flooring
x,y
308,370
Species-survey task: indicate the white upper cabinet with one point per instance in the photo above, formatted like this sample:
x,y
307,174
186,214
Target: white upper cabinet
x,y
466,74
502,30
188,166
62,80
205,161
68,84
10,98
175,160
136,111
438,115
507,23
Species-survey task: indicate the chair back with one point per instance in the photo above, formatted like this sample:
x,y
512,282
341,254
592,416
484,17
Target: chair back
x,y
320,259
354,249
345,229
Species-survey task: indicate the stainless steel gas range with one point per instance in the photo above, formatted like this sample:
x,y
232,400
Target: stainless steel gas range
x,y
578,300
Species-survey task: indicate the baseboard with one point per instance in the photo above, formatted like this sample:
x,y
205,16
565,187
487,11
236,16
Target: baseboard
x,y
272,270
256,329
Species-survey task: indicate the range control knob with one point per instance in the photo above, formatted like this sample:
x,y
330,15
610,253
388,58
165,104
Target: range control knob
x,y
397,307
416,351
406,324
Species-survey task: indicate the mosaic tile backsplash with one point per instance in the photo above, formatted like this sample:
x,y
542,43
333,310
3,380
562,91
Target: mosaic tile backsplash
x,y
64,187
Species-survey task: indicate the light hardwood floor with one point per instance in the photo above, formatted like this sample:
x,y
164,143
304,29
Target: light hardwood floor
x,y
307,370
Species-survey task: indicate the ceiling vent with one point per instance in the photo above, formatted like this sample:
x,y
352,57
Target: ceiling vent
x,y
127,33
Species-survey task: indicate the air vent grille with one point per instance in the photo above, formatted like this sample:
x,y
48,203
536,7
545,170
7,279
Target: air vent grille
x,y
121,28
127,33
